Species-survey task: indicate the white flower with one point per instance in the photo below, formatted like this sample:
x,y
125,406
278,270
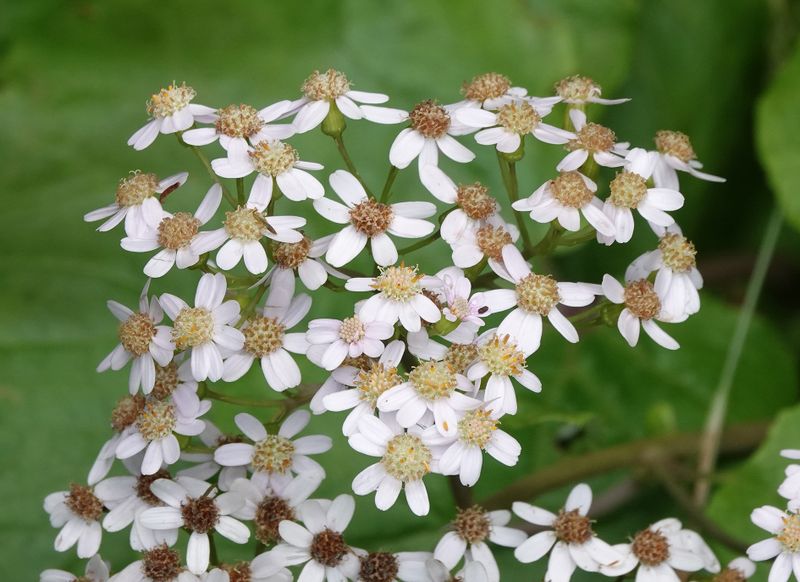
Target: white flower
x,y
123,421
629,190
96,571
460,305
476,433
471,528
592,139
490,91
675,152
205,466
137,202
564,199
275,162
431,130
474,206
501,357
265,339
171,110
677,280
570,537
784,546
275,458
534,296
485,242
206,327
242,233
405,458
579,90
369,220
155,427
472,572
165,564
333,340
406,566
303,257
433,391
358,389
512,121
399,297
660,551
741,568
238,125
175,235
642,310
141,339
323,90
319,545
77,512
194,505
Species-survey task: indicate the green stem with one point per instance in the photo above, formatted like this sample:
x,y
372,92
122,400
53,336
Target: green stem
x,y
240,191
508,171
242,401
251,305
709,446
423,242
550,241
387,186
348,161
213,557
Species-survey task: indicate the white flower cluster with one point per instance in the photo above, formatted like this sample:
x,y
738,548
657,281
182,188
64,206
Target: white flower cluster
x,y
426,380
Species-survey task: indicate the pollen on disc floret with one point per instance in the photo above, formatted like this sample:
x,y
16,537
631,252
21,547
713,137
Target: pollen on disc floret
x,y
375,380
263,336
136,332
594,138
292,255
371,217
475,201
476,427
576,88
651,547
328,548
136,188
143,483
570,190
572,527
161,564
677,252
398,283
166,381
472,524
430,119
461,356
127,411
239,121
675,143
502,356
518,117
407,458
538,294
486,86
491,240
433,379
193,326
175,232
789,537
200,514
273,454
82,501
269,514
170,100
378,567
245,223
627,189
352,329
273,157
238,572
156,420
641,299
327,85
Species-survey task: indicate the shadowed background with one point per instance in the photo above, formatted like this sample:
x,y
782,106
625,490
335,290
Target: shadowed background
x,y
74,78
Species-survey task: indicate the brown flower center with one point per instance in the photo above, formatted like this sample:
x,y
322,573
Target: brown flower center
x,y
239,121
200,514
143,483
378,567
570,190
407,458
492,239
677,252
576,88
675,143
472,524
166,381
730,575
161,564
371,217
325,86
136,332
156,420
269,515
82,501
263,336
641,299
292,255
136,188
126,412
594,138
328,548
475,201
273,454
177,231
170,100
272,158
572,527
193,326
461,356
627,189
486,86
239,572
518,117
430,119
651,547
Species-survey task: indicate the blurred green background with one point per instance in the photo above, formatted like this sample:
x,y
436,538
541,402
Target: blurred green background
x,y
74,77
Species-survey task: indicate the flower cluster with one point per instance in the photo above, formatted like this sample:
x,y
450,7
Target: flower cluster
x,y
426,362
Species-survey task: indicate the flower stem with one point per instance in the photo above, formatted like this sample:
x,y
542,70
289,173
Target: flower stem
x,y
508,171
212,546
550,240
433,237
348,161
387,186
242,401
461,495
240,191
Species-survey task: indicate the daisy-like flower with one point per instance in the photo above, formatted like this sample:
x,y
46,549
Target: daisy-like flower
x,y
489,91
206,327
399,297
239,125
170,110
389,567
323,90
433,389
471,529
244,571
569,536
486,242
738,570
471,572
303,257
677,279
96,571
506,127
359,388
642,310
501,357
534,296
784,546
675,153
580,90
319,544
195,505
123,422
660,551
155,427
163,564
369,220
333,340
137,202
459,304
175,236
431,130
405,458
629,190
267,505
266,339
474,205
77,512
477,433
275,162
275,458
592,139
564,199
141,340
241,234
